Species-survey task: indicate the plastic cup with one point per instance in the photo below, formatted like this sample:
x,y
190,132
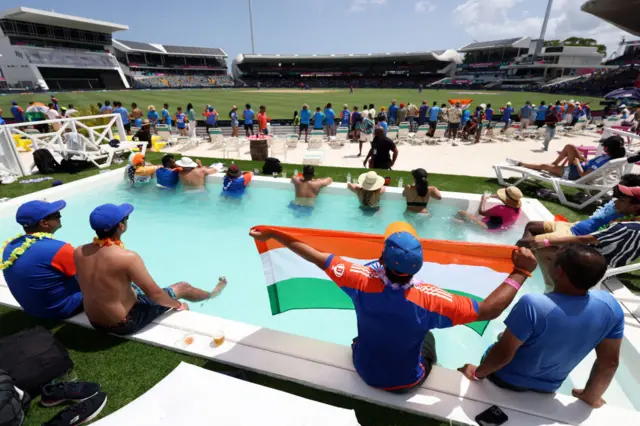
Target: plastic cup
x,y
218,338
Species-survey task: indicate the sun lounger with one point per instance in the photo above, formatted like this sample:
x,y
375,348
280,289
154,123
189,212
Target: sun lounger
x,y
599,182
192,395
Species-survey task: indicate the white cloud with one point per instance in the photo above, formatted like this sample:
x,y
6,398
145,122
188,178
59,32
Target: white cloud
x,y
360,5
501,21
425,6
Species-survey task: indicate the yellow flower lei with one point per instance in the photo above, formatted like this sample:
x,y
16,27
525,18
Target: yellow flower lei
x,y
19,251
107,242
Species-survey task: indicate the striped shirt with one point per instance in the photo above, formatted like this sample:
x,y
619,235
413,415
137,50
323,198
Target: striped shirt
x,y
620,243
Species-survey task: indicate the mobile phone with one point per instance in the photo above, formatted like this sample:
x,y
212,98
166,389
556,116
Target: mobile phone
x,y
493,416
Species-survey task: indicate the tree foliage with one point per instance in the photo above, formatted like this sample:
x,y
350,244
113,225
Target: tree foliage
x,y
578,41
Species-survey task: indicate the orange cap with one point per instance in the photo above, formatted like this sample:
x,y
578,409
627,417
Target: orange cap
x,y
400,226
137,160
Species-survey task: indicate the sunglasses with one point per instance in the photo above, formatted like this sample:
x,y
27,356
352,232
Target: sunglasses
x,y
56,215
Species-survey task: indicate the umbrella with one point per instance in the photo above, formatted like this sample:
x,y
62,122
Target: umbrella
x,y
632,93
617,12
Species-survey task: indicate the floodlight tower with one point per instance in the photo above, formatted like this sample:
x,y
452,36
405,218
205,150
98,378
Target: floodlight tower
x,y
253,45
543,31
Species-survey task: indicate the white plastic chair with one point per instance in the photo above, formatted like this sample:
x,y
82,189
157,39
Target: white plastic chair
x,y
419,136
216,138
403,131
231,145
292,141
165,134
392,132
279,147
316,139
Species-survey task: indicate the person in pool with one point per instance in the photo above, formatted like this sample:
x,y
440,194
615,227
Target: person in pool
x,y
193,173
369,189
120,296
307,188
419,194
138,171
577,166
502,216
235,182
395,349
168,175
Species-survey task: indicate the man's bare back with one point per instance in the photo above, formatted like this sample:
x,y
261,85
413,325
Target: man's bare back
x,y
105,282
308,190
194,178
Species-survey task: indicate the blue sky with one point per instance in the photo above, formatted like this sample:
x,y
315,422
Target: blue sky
x,y
335,26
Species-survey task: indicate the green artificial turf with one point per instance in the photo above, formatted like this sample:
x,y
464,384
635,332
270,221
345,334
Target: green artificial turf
x,y
281,103
126,369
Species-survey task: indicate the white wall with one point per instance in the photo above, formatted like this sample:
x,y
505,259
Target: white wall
x,y
14,68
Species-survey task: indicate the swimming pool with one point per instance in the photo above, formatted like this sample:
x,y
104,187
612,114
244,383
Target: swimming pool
x,y
197,237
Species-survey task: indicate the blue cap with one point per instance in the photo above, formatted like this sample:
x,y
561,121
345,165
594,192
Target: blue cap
x,y
211,109
403,253
107,216
14,103
32,212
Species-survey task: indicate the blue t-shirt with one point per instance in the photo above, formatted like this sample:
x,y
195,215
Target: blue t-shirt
x,y
105,109
542,112
423,112
43,279
355,115
558,331
506,114
166,117
526,111
489,114
167,178
329,116
317,120
153,116
384,126
17,113
433,113
344,120
393,112
466,115
596,162
305,116
181,120
123,113
248,116
2,122
211,118
602,217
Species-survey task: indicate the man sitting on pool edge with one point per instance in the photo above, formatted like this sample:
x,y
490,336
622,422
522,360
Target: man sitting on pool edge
x,y
549,334
120,296
394,350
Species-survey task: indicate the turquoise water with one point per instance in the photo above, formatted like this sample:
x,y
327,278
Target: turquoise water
x,y
196,237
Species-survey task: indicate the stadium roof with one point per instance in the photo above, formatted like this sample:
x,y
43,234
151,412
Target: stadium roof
x,y
496,44
621,13
136,46
438,55
37,16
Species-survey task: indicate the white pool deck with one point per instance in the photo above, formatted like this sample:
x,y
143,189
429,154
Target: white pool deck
x,y
445,395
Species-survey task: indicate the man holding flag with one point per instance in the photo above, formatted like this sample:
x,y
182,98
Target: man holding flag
x,y
394,350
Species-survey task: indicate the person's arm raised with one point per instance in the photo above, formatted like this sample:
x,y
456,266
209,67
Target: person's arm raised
x,y
303,250
141,277
524,263
435,193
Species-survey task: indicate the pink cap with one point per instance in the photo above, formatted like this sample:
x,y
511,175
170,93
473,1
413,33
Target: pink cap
x,y
633,191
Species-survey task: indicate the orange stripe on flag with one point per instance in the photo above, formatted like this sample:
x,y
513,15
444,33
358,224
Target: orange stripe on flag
x,y
369,246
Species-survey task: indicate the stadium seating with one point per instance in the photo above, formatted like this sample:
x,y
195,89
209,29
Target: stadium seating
x,y
179,81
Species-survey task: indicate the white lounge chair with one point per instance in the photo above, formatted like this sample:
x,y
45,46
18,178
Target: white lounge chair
x,y
165,134
612,120
278,147
392,132
600,181
403,131
231,145
342,134
216,138
316,137
418,137
292,141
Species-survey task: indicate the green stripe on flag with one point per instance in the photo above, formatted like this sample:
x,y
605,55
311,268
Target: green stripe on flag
x,y
317,293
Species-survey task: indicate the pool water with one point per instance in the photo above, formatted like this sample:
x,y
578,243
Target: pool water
x,y
197,237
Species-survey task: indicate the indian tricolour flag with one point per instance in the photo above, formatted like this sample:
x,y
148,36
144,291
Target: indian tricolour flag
x,y
468,269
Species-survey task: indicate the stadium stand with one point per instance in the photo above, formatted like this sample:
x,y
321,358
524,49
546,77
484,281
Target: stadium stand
x,y
157,66
43,50
387,70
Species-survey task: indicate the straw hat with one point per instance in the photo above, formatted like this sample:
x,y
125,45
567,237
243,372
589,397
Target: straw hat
x,y
370,181
151,108
146,122
187,163
511,196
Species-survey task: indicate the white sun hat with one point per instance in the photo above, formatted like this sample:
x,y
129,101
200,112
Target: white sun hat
x,y
187,163
370,181
509,103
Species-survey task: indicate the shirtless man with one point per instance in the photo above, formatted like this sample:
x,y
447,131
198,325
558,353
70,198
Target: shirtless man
x,y
193,173
119,294
308,188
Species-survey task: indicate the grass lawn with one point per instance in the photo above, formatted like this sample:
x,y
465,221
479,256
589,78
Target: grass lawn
x,y
126,369
282,102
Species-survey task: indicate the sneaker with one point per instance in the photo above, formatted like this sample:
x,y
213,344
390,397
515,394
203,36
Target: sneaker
x,y
79,413
512,162
71,391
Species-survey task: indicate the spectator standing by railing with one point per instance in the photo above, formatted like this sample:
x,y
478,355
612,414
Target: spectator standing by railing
x,y
235,123
192,122
526,113
330,120
166,117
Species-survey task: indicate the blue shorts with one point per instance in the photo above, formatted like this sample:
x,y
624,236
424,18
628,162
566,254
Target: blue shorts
x,y
300,211
141,314
571,173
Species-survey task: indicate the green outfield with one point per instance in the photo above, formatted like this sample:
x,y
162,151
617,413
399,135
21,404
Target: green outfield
x,y
281,103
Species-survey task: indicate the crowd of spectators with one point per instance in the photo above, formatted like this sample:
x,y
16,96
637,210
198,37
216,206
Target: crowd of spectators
x,y
388,82
165,81
599,83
